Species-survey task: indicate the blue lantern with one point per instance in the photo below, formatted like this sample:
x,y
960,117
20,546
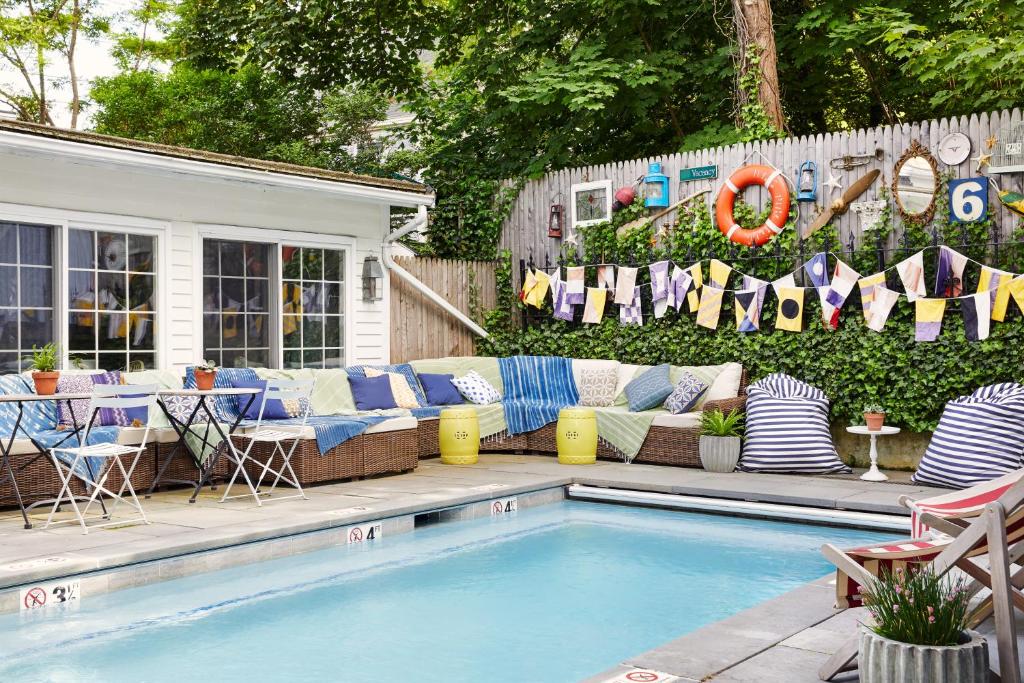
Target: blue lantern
x,y
655,187
807,182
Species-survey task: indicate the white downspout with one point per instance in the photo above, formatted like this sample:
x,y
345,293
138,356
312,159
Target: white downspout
x,y
415,224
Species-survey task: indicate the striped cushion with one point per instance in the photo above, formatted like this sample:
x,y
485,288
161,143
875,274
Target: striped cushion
x,y
979,437
788,429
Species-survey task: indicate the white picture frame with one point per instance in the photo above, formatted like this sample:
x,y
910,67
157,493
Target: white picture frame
x,y
577,188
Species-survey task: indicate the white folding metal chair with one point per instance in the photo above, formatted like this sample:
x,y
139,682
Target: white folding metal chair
x,y
124,396
276,434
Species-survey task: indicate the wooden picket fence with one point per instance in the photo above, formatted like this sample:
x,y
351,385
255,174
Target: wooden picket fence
x,y
525,233
419,327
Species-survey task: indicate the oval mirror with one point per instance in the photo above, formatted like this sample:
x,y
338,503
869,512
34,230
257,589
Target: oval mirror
x,y
915,184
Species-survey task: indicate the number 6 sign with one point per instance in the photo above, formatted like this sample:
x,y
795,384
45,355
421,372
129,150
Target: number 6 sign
x,y
968,200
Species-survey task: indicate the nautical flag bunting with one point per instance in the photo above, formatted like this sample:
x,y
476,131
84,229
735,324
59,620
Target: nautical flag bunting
x,y
593,310
624,286
720,273
574,289
632,314
606,277
928,318
678,286
949,272
884,300
911,271
791,309
710,306
977,311
997,283
659,280
867,291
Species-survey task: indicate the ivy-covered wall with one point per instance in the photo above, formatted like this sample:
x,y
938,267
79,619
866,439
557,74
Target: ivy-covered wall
x,y
853,365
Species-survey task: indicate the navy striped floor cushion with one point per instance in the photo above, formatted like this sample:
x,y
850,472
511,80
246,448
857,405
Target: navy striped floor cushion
x,y
788,429
979,437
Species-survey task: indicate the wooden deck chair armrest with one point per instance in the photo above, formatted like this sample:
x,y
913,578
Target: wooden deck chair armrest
x,y
847,565
944,524
961,546
906,501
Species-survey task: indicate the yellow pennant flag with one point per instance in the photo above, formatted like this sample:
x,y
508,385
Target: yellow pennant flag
x,y
693,298
928,319
720,273
992,280
710,306
540,290
791,309
593,311
1016,288
867,291
529,282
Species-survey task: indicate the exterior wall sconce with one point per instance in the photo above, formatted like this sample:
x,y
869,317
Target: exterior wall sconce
x,y
373,280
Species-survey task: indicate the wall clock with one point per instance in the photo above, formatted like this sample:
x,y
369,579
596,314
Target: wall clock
x,y
954,149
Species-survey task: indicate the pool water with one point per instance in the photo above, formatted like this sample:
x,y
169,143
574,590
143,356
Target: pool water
x,y
555,593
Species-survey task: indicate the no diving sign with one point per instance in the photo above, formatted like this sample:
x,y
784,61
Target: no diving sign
x,y
61,593
363,532
642,676
504,506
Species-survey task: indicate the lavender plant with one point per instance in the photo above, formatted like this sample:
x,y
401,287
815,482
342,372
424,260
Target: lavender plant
x,y
917,607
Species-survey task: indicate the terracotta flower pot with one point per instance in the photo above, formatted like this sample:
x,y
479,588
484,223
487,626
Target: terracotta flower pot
x,y
46,382
874,421
205,379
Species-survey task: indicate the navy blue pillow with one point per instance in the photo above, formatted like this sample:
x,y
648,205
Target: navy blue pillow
x,y
274,410
372,393
440,390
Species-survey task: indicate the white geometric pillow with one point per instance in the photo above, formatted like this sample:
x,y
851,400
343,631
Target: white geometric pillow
x,y
476,389
400,389
597,386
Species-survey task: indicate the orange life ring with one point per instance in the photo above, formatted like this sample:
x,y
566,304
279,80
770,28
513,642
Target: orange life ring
x,y
743,177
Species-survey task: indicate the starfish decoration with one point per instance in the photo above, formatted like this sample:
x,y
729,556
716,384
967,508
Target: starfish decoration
x,y
570,239
982,160
832,183
991,141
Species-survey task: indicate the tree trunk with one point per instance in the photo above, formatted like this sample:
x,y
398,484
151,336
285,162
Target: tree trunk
x,y
76,100
753,19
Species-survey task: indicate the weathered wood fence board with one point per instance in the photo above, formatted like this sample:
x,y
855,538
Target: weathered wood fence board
x,y
524,232
422,329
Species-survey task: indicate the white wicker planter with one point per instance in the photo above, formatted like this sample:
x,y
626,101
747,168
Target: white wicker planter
x,y
888,661
719,453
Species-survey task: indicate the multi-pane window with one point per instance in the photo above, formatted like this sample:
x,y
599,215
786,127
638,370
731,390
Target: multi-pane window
x,y
26,291
236,303
312,307
111,281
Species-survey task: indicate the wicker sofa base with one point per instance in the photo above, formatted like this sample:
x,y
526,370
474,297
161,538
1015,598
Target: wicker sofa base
x,y
663,446
428,447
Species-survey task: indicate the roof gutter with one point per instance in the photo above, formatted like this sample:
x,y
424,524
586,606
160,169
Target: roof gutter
x,y
389,262
27,144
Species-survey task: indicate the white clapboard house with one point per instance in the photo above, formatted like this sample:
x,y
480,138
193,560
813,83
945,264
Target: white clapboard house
x,y
131,254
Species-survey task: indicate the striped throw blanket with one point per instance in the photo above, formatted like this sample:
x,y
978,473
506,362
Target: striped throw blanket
x,y
536,388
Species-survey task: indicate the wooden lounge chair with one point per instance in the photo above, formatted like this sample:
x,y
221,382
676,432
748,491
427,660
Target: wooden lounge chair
x,y
996,530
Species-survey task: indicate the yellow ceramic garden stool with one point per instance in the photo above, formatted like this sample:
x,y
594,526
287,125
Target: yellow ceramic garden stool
x,y
577,436
458,435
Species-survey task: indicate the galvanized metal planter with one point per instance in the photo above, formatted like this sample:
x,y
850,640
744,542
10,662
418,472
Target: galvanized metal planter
x,y
719,453
889,661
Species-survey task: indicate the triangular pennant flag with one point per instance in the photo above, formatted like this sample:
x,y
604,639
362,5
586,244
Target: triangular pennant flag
x,y
949,272
928,318
559,300
784,281
720,273
748,312
660,308
911,271
679,284
697,278
632,313
997,283
606,277
529,282
540,292
574,289
843,280
867,291
624,286
885,299
593,311
817,269
976,310
710,306
1017,291
659,280
791,309
1014,201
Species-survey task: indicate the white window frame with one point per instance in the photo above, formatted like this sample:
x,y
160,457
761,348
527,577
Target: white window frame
x,y
276,239
606,185
65,220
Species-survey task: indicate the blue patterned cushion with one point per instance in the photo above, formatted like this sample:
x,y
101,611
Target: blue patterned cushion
x,y
403,369
649,389
688,391
476,389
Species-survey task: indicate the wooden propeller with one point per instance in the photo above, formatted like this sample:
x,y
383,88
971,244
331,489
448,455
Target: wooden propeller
x,y
839,206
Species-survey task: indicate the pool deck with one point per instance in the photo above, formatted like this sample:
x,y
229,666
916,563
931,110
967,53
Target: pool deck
x,y
785,639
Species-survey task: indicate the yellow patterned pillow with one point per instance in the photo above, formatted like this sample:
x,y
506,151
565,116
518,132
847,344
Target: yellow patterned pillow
x,y
400,389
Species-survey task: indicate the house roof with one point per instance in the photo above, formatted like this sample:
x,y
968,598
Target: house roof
x,y
213,158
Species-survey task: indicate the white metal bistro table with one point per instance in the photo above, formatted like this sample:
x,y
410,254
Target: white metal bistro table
x,y
873,474
7,445
184,427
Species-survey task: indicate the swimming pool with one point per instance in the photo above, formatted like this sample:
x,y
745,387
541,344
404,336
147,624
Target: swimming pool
x,y
554,593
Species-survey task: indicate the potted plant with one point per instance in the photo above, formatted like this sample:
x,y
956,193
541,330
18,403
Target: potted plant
x,y
874,417
205,373
720,440
919,631
43,363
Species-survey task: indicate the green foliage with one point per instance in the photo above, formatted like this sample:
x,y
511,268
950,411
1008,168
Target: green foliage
x,y
717,423
874,408
206,366
44,358
918,607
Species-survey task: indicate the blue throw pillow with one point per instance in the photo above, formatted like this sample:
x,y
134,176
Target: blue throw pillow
x,y
649,389
440,390
274,410
372,393
685,395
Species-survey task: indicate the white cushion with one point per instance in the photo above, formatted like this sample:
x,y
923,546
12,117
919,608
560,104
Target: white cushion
x,y
393,424
680,421
132,436
581,364
475,389
727,384
626,373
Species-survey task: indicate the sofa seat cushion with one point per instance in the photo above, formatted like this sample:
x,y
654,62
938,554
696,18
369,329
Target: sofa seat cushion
x,y
689,420
393,424
132,436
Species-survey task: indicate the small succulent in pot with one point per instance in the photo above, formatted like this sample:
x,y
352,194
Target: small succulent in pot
x,y
720,440
43,363
874,417
205,373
